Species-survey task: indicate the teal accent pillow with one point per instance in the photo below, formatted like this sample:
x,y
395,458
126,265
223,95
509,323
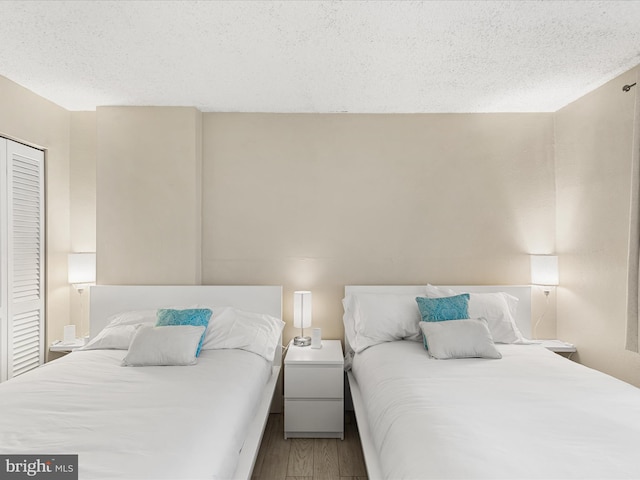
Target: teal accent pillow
x,y
443,308
198,317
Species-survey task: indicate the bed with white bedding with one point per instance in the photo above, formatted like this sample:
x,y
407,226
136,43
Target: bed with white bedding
x,y
156,422
530,414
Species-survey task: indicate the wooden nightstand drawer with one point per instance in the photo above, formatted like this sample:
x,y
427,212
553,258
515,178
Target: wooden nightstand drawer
x,y
313,381
313,416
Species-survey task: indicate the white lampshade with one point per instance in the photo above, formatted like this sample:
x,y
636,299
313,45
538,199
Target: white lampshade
x,y
544,270
82,268
302,309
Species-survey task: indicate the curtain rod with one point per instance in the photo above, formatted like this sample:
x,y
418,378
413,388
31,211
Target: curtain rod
x,y
626,88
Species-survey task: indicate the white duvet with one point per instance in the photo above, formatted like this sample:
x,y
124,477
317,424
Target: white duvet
x,y
135,422
529,415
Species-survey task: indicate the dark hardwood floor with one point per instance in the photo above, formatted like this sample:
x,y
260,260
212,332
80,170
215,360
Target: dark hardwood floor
x,y
309,458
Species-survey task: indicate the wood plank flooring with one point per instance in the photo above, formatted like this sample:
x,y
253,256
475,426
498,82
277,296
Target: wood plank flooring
x,y
309,458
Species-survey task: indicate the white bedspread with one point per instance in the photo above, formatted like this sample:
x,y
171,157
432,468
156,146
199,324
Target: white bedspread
x,y
135,422
530,415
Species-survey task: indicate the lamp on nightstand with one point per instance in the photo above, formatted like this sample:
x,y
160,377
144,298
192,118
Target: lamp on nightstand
x,y
302,316
81,274
82,270
544,271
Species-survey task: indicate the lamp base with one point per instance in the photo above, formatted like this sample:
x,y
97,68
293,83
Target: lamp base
x,y
302,341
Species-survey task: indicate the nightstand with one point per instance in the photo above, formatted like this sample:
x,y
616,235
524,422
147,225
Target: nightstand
x,y
314,391
62,347
558,346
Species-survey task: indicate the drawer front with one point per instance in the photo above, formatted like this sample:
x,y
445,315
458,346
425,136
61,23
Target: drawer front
x,y
311,381
313,416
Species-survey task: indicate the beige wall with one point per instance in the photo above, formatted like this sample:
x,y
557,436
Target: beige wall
x,y
593,171
148,195
26,117
319,201
288,199
82,195
82,180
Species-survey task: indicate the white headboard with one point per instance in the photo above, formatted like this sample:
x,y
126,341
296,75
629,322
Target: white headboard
x,y
107,300
521,292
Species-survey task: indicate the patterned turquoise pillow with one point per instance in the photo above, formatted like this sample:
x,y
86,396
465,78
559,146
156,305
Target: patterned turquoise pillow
x,y
198,317
443,308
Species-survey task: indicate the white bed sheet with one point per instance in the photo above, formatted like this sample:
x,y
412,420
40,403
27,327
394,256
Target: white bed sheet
x,y
136,422
531,414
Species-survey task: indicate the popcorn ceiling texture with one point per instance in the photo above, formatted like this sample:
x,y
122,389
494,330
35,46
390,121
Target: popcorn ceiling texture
x,y
318,56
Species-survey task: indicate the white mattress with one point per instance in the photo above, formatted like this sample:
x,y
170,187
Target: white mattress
x,y
136,422
531,414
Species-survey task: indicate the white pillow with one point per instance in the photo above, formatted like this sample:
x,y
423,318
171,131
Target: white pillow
x,y
171,345
117,337
133,317
120,329
349,321
230,327
379,318
438,292
499,309
469,338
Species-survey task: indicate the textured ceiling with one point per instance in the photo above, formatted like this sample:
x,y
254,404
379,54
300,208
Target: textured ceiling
x,y
318,56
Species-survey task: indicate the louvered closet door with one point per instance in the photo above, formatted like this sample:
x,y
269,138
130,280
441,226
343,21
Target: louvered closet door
x,y
25,258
